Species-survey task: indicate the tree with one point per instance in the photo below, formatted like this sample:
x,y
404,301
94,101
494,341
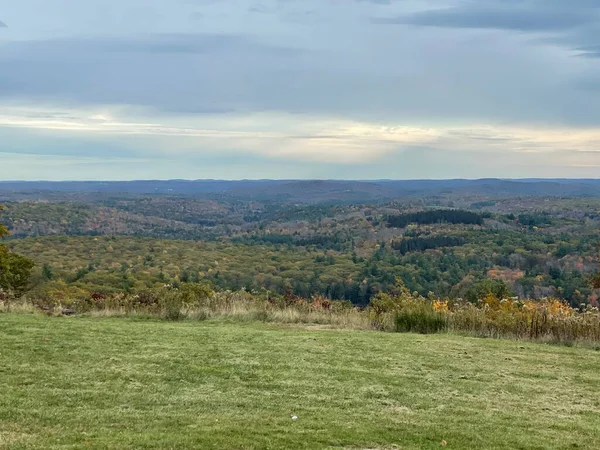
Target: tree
x,y
47,272
3,230
596,281
596,278
484,288
15,270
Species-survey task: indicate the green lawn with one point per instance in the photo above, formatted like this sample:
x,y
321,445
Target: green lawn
x,y
121,383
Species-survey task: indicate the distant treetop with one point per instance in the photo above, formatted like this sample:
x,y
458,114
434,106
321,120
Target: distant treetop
x,y
435,216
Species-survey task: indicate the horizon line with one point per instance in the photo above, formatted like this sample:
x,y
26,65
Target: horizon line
x,y
233,180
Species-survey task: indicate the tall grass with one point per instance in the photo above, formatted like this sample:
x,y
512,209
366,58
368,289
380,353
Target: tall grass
x,y
547,320
197,302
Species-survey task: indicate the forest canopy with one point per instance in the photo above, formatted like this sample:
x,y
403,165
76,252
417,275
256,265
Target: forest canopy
x,y
107,243
435,216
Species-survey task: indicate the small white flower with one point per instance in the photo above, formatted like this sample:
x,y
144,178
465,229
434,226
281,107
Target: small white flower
x,y
294,417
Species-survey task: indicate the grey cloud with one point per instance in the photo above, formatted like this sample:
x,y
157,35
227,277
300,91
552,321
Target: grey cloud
x,y
566,3
494,17
444,70
281,10
377,2
372,73
56,145
583,41
589,83
199,73
202,2
574,24
590,52
261,9
185,43
3,25
224,73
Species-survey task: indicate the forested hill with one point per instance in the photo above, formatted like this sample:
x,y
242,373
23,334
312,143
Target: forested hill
x,y
308,191
341,239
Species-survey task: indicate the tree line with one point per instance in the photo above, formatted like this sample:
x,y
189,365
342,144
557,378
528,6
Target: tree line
x,y
420,244
435,216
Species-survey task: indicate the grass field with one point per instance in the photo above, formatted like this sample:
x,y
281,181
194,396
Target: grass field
x,y
123,383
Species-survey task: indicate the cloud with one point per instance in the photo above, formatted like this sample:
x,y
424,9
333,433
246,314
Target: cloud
x,y
261,9
291,137
206,72
305,80
174,43
377,2
195,73
500,17
590,52
3,25
575,23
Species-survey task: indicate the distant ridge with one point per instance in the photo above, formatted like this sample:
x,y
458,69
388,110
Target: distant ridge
x,y
310,191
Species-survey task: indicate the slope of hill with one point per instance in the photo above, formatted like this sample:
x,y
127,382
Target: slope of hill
x,y
129,384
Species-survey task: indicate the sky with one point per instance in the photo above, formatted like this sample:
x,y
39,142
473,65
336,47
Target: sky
x,y
335,89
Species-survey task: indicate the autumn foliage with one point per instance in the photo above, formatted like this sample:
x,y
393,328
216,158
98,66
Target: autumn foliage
x,y
547,319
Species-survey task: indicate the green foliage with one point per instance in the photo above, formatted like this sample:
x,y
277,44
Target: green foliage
x,y
15,270
35,219
47,272
330,250
484,288
422,320
483,204
534,220
403,311
175,303
596,281
167,301
3,229
435,216
97,264
338,241
420,244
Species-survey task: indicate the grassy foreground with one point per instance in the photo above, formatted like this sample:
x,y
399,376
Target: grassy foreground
x,y
124,383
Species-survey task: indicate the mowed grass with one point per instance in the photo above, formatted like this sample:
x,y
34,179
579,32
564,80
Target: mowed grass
x,y
123,383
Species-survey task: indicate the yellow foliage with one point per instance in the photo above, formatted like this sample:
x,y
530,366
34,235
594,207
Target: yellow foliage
x,y
440,306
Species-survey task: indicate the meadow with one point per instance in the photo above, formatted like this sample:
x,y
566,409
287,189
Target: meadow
x,y
106,382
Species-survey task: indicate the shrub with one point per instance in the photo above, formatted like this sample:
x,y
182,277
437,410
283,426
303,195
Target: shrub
x,y
406,312
422,321
194,295
171,306
176,303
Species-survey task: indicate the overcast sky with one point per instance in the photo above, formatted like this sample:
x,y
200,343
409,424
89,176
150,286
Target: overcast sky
x,y
137,89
